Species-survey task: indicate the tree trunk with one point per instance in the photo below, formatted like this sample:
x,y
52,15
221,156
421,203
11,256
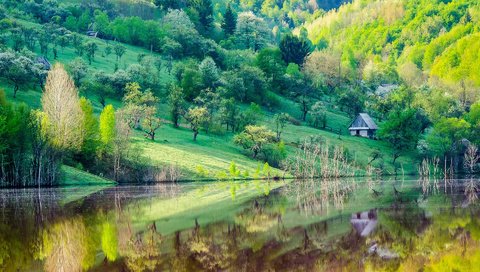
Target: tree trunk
x,y
195,133
15,90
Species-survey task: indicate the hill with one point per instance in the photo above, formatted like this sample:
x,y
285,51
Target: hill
x,y
233,80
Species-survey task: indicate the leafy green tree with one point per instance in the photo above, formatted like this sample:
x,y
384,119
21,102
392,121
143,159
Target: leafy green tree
x,y
17,69
247,84
281,121
229,114
91,48
229,22
210,73
107,126
102,23
254,138
252,32
402,131
176,102
294,49
108,50
90,131
138,105
446,134
78,70
196,117
319,115
119,50
271,62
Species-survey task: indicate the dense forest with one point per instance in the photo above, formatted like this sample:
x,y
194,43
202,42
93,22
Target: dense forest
x,y
162,90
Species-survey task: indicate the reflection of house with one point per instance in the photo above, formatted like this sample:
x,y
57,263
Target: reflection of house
x,y
364,222
363,126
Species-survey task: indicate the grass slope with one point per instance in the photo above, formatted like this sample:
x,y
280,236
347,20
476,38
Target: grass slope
x,y
214,153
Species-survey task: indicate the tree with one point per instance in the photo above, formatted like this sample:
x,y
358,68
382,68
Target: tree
x,y
247,84
204,11
281,121
177,103
209,71
254,138
446,134
401,130
319,115
78,69
17,69
294,49
61,105
90,131
107,126
300,89
150,108
138,105
229,114
119,51
91,48
151,122
323,68
108,50
252,32
196,117
229,22
271,62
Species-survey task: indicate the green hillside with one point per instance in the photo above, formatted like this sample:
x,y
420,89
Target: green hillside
x,y
252,85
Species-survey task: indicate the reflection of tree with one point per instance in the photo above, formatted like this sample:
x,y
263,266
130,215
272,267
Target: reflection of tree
x,y
143,251
63,246
316,196
471,191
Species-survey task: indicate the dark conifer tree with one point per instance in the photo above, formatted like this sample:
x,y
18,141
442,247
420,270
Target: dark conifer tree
x,y
294,49
229,21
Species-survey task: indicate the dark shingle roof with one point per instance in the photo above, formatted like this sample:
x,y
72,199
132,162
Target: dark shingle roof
x,y
363,121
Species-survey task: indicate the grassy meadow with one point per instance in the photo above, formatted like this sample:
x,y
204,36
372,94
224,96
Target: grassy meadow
x,y
210,153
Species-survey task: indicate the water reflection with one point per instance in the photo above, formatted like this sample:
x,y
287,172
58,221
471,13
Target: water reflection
x,y
331,225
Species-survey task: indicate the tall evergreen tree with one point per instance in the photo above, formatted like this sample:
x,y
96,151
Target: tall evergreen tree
x,y
294,49
229,21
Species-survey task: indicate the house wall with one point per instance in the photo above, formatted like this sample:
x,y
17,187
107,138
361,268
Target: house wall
x,y
363,133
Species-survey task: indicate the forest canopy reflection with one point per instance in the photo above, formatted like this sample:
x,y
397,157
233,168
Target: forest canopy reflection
x,y
304,225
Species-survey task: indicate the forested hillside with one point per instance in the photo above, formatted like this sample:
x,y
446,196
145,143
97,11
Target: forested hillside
x,y
169,90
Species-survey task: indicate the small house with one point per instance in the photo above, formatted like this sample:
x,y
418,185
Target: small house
x,y
363,126
92,34
364,223
43,62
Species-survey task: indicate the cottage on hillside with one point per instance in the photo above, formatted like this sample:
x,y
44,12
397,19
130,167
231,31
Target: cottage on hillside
x,y
363,126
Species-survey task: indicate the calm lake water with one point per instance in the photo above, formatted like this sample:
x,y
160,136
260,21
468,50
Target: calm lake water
x,y
336,225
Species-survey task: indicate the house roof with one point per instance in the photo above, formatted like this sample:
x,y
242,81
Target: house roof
x,y
363,121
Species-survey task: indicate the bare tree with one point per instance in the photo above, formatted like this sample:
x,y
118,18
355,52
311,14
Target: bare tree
x,y
471,158
61,105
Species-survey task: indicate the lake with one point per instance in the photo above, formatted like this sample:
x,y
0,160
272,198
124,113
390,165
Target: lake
x,y
329,225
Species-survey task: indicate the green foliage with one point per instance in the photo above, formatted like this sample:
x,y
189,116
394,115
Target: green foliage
x,y
177,103
229,22
107,126
109,241
252,32
90,130
196,117
401,130
446,134
294,49
254,138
